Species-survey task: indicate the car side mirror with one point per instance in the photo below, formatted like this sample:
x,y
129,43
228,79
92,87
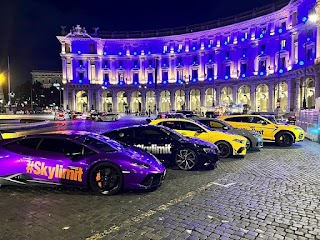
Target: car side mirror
x,y
200,131
263,122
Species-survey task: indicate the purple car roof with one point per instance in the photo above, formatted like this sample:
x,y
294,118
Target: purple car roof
x,y
64,133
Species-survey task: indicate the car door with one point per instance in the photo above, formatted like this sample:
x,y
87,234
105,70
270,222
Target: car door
x,y
265,127
155,141
58,160
123,135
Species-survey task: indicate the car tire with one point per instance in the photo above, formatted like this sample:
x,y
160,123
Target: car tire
x,y
249,143
284,139
225,149
186,159
112,182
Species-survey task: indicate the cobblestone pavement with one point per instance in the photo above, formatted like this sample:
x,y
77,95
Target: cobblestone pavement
x,y
270,194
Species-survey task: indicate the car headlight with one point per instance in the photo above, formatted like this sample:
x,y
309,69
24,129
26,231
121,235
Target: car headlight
x,y
145,166
210,150
238,140
298,128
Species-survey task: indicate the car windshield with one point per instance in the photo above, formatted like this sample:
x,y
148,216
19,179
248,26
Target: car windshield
x,y
173,134
100,142
203,125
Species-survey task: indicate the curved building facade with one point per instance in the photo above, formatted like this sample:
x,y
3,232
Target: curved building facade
x,y
264,60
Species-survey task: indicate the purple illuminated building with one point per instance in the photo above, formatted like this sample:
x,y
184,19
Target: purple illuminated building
x,y
262,59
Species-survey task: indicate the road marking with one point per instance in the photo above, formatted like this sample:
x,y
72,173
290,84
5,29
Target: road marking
x,y
151,212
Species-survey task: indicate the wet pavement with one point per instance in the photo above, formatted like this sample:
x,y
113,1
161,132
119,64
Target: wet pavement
x,y
270,194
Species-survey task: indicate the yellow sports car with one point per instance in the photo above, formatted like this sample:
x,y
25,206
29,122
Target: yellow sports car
x,y
228,144
282,135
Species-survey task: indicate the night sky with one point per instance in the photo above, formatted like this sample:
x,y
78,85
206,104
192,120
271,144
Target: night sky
x,y
28,28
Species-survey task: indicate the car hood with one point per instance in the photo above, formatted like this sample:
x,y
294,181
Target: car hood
x,y
138,155
202,143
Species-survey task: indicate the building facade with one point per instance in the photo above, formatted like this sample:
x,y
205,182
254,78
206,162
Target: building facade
x,y
267,59
47,78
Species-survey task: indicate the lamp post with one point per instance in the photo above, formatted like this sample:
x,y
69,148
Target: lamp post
x,y
279,68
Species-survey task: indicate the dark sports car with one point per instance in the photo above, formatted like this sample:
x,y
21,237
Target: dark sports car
x,y
169,146
79,159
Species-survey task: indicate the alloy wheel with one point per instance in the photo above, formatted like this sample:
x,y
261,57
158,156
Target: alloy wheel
x,y
186,159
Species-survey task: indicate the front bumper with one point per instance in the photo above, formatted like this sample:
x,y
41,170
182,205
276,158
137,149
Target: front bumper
x,y
153,180
242,151
300,137
208,159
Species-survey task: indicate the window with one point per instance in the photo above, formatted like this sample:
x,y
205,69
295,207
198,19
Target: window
x,y
294,19
283,25
264,30
135,77
150,63
120,64
263,47
195,59
283,62
172,125
122,135
106,77
262,65
150,77
59,145
68,48
237,119
135,64
195,74
309,54
283,44
310,33
165,62
214,124
105,64
95,143
243,68
165,48
227,54
190,127
210,72
80,63
120,77
179,75
80,76
92,49
227,69
180,46
149,133
179,60
210,56
244,51
30,142
165,75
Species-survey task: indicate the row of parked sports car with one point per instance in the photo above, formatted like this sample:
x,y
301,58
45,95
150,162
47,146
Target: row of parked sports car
x,y
131,157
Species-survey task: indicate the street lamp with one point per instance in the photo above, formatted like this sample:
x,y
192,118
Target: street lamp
x,y
313,18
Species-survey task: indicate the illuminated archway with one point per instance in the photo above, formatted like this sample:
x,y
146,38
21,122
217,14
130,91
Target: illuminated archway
x,y
82,101
283,95
195,103
150,102
136,101
180,100
244,95
262,98
226,96
106,101
210,97
122,101
165,103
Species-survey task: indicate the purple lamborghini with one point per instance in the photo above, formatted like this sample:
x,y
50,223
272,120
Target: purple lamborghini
x,y
79,159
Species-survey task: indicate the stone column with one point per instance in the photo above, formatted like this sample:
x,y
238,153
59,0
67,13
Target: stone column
x,y
143,101
298,99
289,82
235,89
317,86
317,60
114,102
253,97
157,99
112,73
271,106
171,69
129,93
202,97
201,67
73,100
98,100
90,98
187,97
218,95
65,98
89,70
172,100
